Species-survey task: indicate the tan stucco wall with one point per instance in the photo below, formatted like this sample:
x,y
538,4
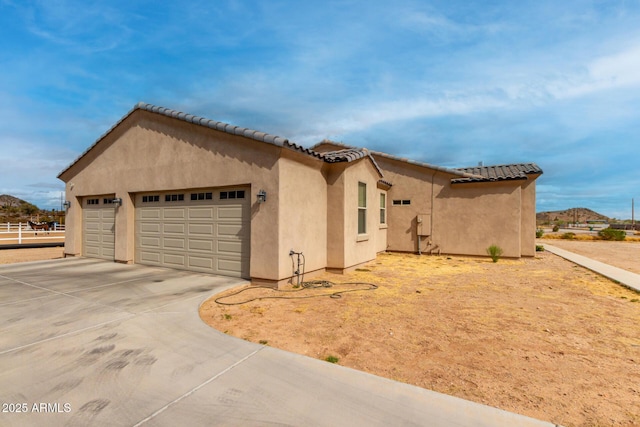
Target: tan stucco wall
x,y
457,219
528,227
345,247
414,183
468,218
303,213
149,152
335,214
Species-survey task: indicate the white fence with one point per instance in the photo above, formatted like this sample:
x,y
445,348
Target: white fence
x,y
23,233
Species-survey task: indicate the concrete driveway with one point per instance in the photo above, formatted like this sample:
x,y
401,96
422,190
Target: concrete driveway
x,y
89,342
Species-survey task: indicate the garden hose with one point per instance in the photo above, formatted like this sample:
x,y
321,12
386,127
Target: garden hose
x,y
317,284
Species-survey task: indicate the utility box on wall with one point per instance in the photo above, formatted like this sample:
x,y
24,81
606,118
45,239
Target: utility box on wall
x,y
424,224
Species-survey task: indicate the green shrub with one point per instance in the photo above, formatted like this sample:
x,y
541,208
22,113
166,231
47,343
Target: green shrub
x,y
495,252
539,233
539,248
332,359
612,234
556,228
569,235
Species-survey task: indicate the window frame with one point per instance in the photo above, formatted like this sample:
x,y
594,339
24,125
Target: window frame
x,y
362,208
383,208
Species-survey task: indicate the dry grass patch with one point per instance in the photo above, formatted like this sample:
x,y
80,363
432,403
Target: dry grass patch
x,y
536,336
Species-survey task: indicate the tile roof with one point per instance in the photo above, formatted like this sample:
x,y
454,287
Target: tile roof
x,y
385,183
401,159
499,173
201,121
347,155
456,172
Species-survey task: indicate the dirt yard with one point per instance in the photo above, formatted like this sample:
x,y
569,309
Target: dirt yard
x,y
539,336
623,254
10,256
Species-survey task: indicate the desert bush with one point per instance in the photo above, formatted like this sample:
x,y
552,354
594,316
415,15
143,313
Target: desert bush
x,y
495,252
569,236
556,228
539,248
612,234
539,232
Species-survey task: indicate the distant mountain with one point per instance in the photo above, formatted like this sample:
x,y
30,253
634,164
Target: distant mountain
x,y
570,215
13,209
8,201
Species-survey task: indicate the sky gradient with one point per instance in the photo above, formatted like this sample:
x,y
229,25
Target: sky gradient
x,y
452,83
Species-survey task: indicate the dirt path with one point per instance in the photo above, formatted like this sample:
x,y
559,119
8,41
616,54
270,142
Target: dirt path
x,y
539,336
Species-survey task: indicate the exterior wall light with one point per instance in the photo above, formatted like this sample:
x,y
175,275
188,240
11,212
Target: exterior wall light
x,y
262,196
117,201
67,204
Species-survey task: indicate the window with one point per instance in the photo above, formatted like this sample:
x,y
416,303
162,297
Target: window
x,y
234,194
93,201
401,202
107,201
201,196
362,208
383,208
150,199
174,197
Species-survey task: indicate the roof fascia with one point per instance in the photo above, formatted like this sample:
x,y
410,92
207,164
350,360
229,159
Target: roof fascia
x,y
199,121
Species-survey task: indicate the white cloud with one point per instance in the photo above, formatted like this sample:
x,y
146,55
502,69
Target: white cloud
x,y
604,73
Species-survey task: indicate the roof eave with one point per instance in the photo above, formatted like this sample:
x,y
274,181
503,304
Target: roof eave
x,y
199,121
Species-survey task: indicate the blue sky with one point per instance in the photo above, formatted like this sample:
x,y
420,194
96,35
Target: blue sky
x,y
448,82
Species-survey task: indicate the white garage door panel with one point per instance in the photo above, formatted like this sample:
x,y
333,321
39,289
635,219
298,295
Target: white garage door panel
x,y
172,243
149,227
200,263
229,266
109,253
92,252
150,242
230,230
174,228
200,245
173,260
150,213
209,235
201,229
201,213
173,213
230,212
149,258
229,247
92,238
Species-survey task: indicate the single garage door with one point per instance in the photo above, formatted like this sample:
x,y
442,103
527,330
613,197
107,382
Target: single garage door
x,y
198,230
98,229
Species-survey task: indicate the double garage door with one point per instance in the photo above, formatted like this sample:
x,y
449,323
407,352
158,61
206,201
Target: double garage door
x,y
198,230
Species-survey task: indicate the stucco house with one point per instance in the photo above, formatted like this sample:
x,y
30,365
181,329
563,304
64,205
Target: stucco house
x,y
171,189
